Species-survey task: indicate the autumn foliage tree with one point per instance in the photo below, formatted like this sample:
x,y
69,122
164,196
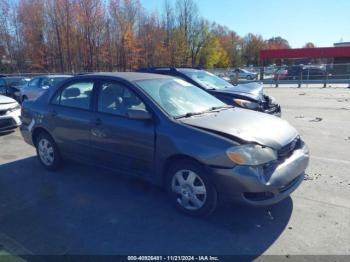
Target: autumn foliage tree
x,y
118,35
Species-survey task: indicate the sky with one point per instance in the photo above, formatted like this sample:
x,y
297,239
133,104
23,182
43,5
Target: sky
x,y
322,22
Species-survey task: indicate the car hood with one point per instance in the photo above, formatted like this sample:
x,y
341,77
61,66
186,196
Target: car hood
x,y
6,102
246,125
254,90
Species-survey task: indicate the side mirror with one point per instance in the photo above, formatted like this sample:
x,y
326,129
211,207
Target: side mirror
x,y
137,114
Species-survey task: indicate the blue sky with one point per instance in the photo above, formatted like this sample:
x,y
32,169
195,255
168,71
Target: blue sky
x,y
322,22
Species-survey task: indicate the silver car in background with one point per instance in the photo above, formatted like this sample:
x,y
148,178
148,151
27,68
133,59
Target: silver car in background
x,y
243,74
39,85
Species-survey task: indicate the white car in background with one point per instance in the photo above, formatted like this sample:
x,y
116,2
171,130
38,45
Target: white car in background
x,y
10,112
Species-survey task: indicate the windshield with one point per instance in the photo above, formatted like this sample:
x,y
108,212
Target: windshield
x,y
206,79
178,97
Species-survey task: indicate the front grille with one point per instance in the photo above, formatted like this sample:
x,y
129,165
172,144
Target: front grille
x,y
288,149
6,123
3,112
258,196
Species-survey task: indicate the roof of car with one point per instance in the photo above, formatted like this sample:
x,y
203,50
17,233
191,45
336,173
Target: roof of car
x,y
14,77
54,76
131,76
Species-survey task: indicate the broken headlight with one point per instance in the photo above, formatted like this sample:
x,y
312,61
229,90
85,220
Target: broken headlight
x,y
251,155
245,103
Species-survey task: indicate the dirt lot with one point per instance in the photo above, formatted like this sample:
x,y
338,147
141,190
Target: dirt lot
x,y
83,210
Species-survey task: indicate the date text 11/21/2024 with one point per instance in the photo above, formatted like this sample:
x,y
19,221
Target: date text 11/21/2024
x,y
173,258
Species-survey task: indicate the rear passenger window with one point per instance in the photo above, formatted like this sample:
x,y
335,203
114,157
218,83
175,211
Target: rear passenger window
x,y
76,95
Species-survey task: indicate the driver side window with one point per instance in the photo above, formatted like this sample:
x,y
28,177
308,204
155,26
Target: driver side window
x,y
117,99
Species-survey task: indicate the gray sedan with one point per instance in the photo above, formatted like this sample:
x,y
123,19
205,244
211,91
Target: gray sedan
x,y
171,133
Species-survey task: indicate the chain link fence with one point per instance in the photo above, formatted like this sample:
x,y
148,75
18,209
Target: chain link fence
x,y
273,75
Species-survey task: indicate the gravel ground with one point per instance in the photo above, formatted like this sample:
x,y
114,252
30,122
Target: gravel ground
x,y
84,210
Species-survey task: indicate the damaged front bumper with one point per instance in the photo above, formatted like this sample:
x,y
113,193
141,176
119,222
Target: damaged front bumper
x,y
270,106
273,109
262,185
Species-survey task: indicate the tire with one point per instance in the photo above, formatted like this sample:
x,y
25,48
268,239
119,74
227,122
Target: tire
x,y
47,152
183,193
249,77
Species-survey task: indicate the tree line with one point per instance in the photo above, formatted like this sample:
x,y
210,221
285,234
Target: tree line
x,y
118,35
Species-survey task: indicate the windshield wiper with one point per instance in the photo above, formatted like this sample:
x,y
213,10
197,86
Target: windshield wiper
x,y
212,109
190,114
220,107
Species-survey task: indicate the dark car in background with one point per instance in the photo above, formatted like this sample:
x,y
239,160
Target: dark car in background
x,y
170,132
302,72
11,86
38,85
249,95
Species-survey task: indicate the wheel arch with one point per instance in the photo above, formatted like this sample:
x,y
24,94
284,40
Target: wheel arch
x,y
172,159
37,131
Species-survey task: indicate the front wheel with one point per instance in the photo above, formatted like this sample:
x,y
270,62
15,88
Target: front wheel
x,y
190,188
249,77
47,152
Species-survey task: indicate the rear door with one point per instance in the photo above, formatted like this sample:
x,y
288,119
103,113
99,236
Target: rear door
x,y
118,142
70,116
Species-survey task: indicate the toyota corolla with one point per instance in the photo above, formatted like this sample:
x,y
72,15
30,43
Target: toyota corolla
x,y
171,133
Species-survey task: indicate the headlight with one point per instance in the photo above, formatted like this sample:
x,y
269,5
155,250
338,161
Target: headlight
x,y
251,155
16,107
246,103
272,100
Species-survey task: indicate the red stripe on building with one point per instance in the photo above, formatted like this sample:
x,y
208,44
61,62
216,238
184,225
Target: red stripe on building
x,y
322,52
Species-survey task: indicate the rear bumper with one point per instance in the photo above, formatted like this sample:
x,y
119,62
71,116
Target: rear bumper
x,y
26,134
263,185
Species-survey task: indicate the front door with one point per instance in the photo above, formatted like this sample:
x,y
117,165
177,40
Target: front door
x,y
119,142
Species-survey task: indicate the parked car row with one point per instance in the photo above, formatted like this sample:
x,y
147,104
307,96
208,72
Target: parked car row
x,y
21,88
11,86
300,73
185,129
39,84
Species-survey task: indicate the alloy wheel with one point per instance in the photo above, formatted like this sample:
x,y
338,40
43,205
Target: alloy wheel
x,y
46,152
190,189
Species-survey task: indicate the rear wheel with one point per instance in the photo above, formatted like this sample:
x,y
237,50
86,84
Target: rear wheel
x,y
190,188
47,152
